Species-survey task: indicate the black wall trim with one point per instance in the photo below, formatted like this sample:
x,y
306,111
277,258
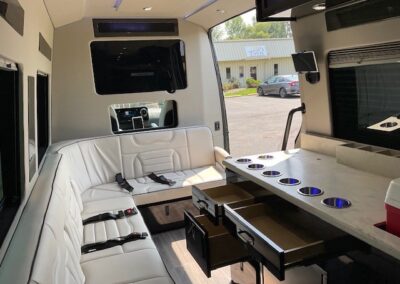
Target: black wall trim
x,y
135,27
44,47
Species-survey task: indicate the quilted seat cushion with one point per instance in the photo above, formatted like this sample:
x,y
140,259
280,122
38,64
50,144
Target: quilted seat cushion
x,y
146,185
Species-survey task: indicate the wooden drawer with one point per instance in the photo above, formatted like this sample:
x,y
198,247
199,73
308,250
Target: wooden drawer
x,y
240,194
212,246
281,235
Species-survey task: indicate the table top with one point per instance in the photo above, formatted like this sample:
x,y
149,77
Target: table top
x,y
366,192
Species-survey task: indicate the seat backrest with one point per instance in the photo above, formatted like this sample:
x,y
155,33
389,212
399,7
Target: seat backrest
x,y
58,255
96,161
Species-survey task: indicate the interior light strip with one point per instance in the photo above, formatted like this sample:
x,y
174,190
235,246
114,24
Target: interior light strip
x,y
207,4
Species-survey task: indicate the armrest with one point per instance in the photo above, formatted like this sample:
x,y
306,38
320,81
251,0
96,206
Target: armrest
x,y
221,155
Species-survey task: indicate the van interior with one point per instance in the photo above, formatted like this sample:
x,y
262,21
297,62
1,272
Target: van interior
x,y
115,163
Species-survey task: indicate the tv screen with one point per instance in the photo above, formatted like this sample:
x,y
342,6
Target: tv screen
x,y
305,62
268,8
121,67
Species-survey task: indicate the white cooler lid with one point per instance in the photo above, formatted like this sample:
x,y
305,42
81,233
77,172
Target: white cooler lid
x,y
393,194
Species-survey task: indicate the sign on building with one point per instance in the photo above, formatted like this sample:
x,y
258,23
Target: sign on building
x,y
256,51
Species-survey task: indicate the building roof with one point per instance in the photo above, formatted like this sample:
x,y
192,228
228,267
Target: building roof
x,y
253,49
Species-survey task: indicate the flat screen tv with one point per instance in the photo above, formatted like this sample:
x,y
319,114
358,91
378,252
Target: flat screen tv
x,y
268,8
305,62
121,67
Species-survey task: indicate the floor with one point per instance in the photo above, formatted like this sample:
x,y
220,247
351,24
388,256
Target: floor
x,y
257,124
181,265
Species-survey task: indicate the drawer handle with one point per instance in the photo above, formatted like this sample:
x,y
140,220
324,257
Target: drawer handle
x,y
246,237
200,202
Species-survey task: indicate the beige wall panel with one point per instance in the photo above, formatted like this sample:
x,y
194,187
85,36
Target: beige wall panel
x,y
24,51
79,112
316,97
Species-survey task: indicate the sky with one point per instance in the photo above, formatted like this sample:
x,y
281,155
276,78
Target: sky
x,y
248,17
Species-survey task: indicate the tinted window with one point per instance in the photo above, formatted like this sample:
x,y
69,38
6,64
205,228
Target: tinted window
x,y
366,104
42,93
10,169
122,67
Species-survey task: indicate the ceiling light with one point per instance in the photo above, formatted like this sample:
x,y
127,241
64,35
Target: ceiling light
x,y
220,11
319,7
147,9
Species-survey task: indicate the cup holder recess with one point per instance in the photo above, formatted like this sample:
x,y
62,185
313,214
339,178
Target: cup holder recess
x,y
336,202
388,124
289,181
310,191
271,174
255,166
243,161
265,157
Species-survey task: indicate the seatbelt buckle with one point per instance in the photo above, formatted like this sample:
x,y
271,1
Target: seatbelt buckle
x,y
129,212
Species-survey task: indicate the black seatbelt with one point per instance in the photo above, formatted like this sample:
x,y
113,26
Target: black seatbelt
x,y
113,243
110,216
123,183
161,179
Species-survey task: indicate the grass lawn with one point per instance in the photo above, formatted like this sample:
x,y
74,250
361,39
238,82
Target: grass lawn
x,y
241,93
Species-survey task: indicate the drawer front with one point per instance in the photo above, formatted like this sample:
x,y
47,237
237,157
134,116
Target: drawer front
x,y
262,249
306,238
204,203
208,244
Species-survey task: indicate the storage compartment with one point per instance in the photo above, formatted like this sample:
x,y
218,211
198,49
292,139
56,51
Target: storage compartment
x,y
281,235
166,216
212,246
237,195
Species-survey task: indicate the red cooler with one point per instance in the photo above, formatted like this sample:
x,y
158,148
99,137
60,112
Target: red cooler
x,y
392,204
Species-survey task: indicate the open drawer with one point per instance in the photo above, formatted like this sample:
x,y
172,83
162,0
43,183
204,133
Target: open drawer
x,y
281,235
236,195
212,246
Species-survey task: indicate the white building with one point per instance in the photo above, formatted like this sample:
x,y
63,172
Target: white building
x,y
258,58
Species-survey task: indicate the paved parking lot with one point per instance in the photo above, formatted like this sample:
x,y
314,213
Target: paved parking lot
x,y
257,124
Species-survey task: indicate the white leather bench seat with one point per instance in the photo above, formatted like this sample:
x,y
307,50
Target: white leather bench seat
x,y
84,187
145,185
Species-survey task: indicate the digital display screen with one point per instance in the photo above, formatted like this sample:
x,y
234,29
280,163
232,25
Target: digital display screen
x,y
305,62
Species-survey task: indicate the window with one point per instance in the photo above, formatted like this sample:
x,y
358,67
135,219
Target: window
x,y
253,72
10,163
228,73
366,103
241,71
143,116
276,71
42,99
122,67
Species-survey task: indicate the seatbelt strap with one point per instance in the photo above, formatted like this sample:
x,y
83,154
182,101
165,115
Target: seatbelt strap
x,y
161,179
123,183
113,243
110,216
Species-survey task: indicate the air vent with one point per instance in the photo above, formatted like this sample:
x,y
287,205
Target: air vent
x,y
365,11
14,15
373,54
135,27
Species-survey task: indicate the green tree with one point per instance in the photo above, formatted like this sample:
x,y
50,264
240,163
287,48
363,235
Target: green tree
x,y
278,30
217,33
236,28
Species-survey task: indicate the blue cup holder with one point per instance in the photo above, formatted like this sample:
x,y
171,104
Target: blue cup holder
x,y
265,157
271,174
310,191
255,166
336,202
243,161
289,181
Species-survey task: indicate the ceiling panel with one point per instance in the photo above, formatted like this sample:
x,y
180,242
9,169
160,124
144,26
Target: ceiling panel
x,y
134,8
62,14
